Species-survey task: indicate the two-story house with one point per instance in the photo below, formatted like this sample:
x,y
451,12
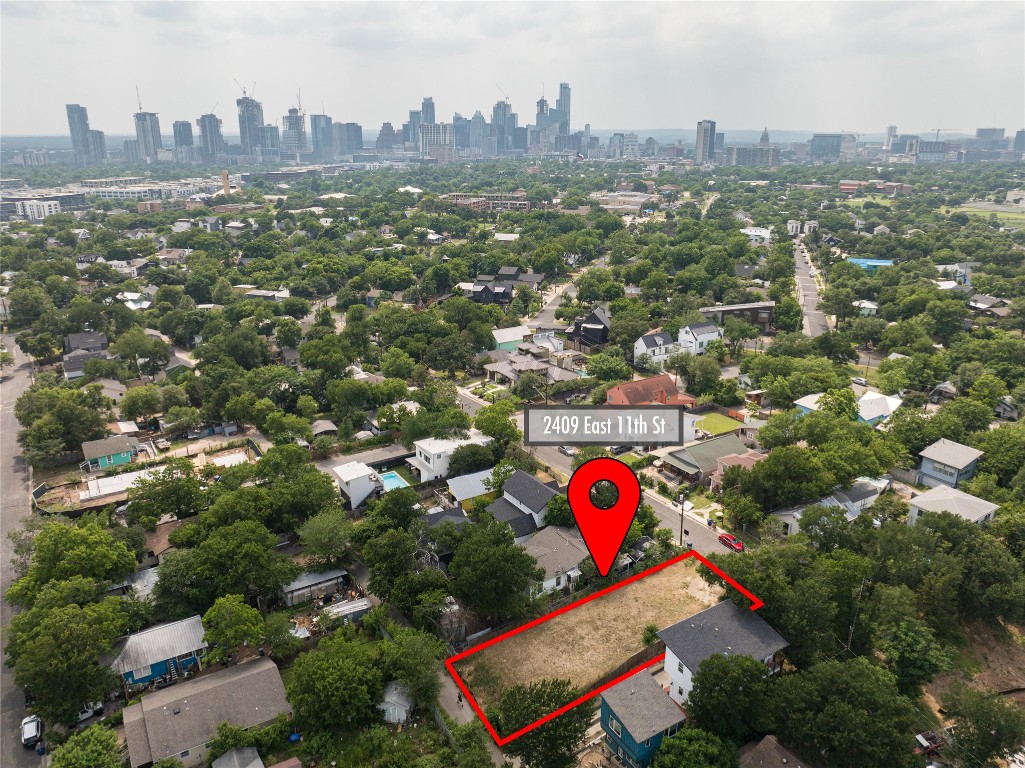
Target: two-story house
x,y
430,462
696,338
724,629
357,482
657,345
947,463
636,716
591,331
161,653
523,504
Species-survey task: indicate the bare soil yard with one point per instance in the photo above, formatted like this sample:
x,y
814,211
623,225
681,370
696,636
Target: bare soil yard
x,y
586,642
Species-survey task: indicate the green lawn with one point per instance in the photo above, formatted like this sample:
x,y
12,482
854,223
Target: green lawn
x,y
717,424
859,202
406,474
630,458
1006,217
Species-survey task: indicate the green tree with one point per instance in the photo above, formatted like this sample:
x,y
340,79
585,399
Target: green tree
x,y
558,512
878,723
789,316
388,557
491,572
552,745
470,458
182,419
731,698
277,633
988,390
336,686
229,625
396,364
691,747
327,539
414,659
736,331
147,354
841,402
495,421
606,366
703,373
289,333
913,655
141,402
986,727
173,489
94,747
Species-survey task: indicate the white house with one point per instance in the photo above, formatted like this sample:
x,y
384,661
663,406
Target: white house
x,y
658,345
397,705
357,482
866,308
882,229
558,552
758,235
430,461
943,498
723,629
696,338
793,227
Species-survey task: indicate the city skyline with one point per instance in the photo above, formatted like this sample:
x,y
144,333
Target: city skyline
x,y
756,58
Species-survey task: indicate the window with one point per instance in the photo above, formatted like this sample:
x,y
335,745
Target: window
x,y
184,754
615,727
647,742
679,690
679,666
558,580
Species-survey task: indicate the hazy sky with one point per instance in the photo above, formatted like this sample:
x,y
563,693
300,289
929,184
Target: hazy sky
x,y
809,65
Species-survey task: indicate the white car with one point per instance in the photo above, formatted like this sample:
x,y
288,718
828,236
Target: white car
x,y
96,708
567,450
31,731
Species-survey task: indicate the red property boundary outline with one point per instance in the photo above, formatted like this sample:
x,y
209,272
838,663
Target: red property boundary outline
x,y
756,603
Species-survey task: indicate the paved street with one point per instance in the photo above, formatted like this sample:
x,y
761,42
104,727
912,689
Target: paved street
x,y
14,494
815,323
469,402
546,317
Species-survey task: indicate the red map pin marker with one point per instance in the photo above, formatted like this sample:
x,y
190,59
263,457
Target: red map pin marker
x,y
604,529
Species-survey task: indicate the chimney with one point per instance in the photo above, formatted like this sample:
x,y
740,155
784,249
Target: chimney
x,y
227,186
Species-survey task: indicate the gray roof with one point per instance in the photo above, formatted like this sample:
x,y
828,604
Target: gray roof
x,y
722,629
657,339
396,693
469,486
94,449
705,456
185,716
322,425
697,329
455,516
521,523
769,752
528,490
310,579
943,498
85,340
950,453
641,705
159,643
557,550
240,757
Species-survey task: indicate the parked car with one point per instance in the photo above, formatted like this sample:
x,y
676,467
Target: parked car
x,y
89,710
860,380
163,445
31,731
731,541
619,450
567,450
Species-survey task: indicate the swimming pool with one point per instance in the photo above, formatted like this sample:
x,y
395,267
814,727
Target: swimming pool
x,y
393,480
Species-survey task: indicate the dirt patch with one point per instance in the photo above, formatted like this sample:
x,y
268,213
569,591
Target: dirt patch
x,y
993,660
587,642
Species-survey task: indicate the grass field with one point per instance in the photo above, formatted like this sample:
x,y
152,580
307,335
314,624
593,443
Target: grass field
x,y
718,424
1006,217
584,643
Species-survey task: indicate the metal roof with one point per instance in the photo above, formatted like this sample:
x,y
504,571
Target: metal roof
x,y
159,643
640,704
310,579
945,499
722,629
469,486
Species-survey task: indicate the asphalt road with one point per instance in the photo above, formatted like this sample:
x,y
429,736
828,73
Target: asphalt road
x,y
546,317
815,323
14,494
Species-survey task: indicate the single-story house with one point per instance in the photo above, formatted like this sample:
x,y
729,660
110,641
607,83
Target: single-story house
x,y
769,752
240,757
559,552
656,390
724,629
110,451
860,496
112,388
873,407
165,651
947,463
397,704
943,498
510,338
464,489
866,308
696,463
181,720
323,427
1006,409
636,716
308,586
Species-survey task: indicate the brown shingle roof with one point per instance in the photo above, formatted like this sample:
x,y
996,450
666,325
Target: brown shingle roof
x,y
657,389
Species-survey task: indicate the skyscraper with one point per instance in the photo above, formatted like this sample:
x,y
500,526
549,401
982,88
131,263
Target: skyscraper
x,y
147,133
416,118
825,146
891,135
478,130
269,139
387,137
182,133
1019,141
97,146
250,122
503,126
704,149
562,107
348,138
210,138
437,140
427,116
78,123
322,137
132,154
293,133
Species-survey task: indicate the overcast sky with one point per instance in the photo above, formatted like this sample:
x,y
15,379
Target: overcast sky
x,y
810,65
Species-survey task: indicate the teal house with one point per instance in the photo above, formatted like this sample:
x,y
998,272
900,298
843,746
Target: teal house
x,y
636,716
510,338
109,452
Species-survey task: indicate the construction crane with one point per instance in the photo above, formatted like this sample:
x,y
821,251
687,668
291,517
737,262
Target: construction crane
x,y
252,91
138,97
214,107
942,129
502,92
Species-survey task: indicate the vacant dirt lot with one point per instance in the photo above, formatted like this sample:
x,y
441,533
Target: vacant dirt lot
x,y
588,641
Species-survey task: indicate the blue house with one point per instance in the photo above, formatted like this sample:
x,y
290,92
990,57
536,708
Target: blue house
x,y
871,265
947,463
636,715
160,654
